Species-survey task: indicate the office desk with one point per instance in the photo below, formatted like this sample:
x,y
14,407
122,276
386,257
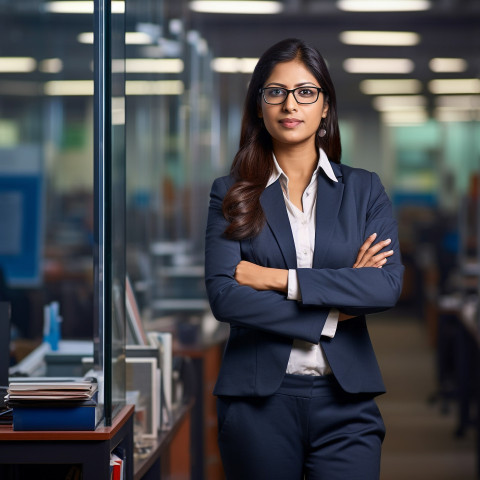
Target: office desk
x,y
69,353
90,450
463,341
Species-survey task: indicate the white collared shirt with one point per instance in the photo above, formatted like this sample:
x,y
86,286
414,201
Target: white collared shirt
x,y
305,358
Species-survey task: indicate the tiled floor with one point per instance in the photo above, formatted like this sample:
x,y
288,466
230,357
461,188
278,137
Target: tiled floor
x,y
420,442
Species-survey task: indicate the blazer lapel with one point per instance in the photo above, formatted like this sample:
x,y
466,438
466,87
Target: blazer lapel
x,y
329,198
273,205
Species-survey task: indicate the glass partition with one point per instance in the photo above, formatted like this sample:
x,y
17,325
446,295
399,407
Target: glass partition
x,y
116,200
169,109
80,90
109,161
46,168
49,182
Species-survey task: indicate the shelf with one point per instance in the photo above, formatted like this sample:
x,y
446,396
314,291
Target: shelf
x,y
90,450
161,446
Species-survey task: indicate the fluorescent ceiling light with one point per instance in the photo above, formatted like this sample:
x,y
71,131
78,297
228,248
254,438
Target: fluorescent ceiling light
x,y
51,65
458,85
146,65
383,5
69,7
160,87
131,38
236,6
357,37
118,110
85,37
118,65
137,38
455,115
233,64
399,102
458,102
132,87
17,64
391,86
153,65
378,65
443,65
80,6
69,87
404,117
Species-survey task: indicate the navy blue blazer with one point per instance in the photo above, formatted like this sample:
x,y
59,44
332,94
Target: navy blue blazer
x,y
263,324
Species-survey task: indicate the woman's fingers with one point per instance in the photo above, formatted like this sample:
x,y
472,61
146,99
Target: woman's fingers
x,y
380,259
363,249
368,255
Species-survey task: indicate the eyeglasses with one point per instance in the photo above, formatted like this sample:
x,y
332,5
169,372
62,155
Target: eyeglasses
x,y
278,95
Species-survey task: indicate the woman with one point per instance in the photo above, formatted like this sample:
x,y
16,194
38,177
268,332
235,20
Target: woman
x,y
293,265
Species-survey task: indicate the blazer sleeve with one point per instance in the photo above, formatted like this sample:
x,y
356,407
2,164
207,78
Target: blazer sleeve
x,y
357,291
240,305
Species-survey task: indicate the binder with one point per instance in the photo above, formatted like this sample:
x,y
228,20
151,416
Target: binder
x,y
55,418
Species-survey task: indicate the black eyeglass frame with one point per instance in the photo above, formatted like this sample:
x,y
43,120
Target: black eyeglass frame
x,y
292,91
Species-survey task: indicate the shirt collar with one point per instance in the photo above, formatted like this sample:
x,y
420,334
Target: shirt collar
x,y
323,163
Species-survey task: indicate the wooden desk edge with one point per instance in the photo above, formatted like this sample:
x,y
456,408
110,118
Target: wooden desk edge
x,y
101,433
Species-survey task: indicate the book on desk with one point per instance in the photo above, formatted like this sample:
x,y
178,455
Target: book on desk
x,y
54,405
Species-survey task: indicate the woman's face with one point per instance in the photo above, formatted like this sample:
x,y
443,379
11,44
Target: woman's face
x,y
291,122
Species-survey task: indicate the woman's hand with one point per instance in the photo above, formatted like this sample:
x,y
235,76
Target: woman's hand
x,y
368,255
264,278
261,278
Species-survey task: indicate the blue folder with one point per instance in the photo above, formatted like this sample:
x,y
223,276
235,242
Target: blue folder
x,y
55,418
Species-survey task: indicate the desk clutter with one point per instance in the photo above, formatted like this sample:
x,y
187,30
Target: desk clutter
x,y
53,404
6,417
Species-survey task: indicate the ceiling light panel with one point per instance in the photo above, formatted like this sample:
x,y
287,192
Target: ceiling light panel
x,y
233,64
442,115
405,117
236,6
131,38
378,65
458,102
357,37
85,37
455,86
407,86
160,87
17,64
137,38
81,7
51,65
399,102
153,65
445,65
383,5
69,87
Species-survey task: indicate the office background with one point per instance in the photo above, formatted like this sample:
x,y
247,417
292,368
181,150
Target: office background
x,y
408,90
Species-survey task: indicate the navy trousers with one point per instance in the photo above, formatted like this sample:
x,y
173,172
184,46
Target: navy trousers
x,y
309,429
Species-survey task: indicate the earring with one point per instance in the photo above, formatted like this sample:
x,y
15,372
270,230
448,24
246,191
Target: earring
x,y
322,132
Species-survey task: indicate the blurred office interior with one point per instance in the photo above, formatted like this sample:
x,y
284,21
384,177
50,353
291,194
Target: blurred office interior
x,y
408,89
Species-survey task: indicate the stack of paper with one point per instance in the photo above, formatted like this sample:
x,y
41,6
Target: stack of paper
x,y
54,405
44,391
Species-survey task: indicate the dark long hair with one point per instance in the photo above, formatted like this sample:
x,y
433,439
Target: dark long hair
x,y
253,163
